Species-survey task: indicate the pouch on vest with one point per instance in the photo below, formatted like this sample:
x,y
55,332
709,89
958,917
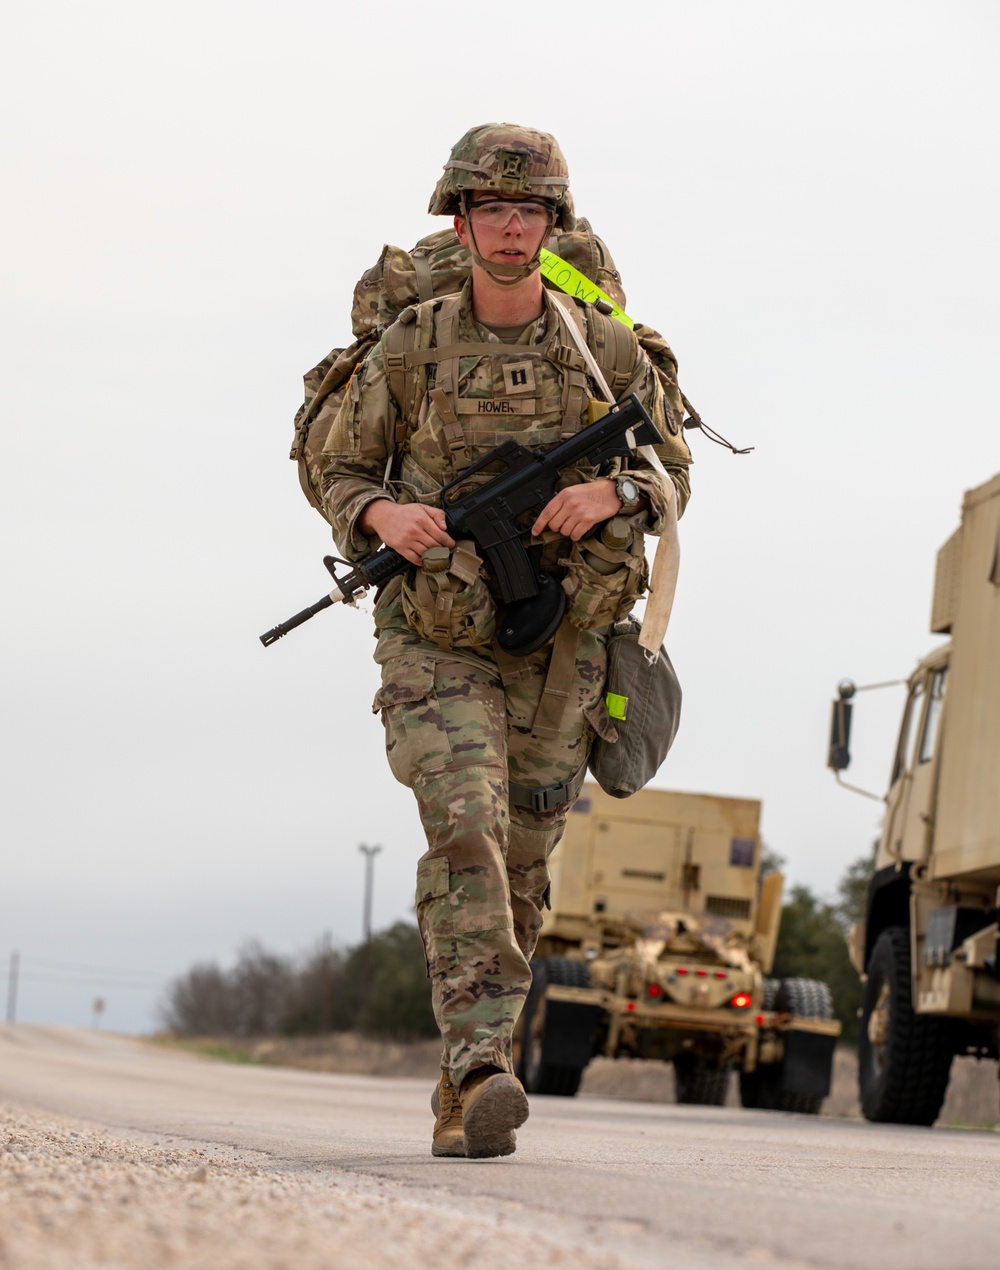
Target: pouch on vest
x,y
602,582
644,701
446,600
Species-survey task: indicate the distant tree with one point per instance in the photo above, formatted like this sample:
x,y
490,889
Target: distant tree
x,y
811,945
399,1003
323,997
261,984
200,1003
266,995
852,891
248,1000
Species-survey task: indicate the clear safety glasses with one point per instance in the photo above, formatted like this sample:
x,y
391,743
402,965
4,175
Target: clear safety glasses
x,y
498,213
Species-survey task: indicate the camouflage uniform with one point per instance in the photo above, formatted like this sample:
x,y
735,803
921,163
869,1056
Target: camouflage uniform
x,y
470,729
459,721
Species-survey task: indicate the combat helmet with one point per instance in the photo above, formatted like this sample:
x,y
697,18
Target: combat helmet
x,y
505,159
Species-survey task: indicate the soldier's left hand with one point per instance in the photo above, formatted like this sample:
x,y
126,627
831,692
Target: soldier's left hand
x,y
578,508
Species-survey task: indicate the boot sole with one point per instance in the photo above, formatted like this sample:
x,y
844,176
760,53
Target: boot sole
x,y
490,1121
453,1153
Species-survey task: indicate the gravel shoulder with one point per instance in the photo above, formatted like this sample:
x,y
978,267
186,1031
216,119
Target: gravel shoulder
x,y
75,1196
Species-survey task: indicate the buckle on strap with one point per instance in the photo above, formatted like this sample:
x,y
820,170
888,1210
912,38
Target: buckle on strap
x,y
550,796
566,357
547,797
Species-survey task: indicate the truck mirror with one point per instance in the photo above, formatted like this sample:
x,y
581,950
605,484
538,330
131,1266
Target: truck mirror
x,y
839,755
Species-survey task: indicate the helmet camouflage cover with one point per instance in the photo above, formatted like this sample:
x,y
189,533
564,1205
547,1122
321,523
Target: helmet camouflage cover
x,y
505,159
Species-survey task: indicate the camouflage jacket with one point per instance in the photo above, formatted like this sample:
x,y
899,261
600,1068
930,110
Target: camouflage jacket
x,y
524,397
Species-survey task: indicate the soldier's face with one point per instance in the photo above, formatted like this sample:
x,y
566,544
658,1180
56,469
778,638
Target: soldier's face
x,y
509,230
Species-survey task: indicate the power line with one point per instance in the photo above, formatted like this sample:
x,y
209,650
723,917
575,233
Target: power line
x,y
97,970
92,982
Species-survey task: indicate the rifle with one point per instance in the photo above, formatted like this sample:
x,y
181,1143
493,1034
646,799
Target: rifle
x,y
490,514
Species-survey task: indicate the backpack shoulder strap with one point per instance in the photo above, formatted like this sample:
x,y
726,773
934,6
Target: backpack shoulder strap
x,y
567,351
614,348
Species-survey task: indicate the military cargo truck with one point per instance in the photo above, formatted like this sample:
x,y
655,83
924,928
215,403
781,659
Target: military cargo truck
x,y
927,950
659,939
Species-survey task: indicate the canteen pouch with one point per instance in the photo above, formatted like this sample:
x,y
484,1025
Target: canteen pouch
x,y
643,700
601,583
446,600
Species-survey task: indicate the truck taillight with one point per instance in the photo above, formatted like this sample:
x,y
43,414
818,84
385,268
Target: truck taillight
x,y
741,1000
654,990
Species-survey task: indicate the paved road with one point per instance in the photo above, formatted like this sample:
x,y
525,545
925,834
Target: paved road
x,y
663,1186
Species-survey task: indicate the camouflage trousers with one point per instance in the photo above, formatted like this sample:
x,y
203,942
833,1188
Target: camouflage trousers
x,y
458,731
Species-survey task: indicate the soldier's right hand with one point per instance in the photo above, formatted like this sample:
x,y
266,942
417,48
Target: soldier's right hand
x,y
409,528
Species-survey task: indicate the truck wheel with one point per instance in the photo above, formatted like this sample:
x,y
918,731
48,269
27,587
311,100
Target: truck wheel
x,y
808,997
813,1000
760,1089
536,1074
904,1059
698,1081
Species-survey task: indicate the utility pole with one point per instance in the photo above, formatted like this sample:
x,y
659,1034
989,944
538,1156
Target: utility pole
x,y
15,963
364,978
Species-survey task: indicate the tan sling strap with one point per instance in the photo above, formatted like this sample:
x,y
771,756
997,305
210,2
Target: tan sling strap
x,y
548,717
618,359
559,679
558,683
663,574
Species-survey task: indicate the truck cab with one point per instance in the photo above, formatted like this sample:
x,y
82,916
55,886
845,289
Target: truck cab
x,y
927,950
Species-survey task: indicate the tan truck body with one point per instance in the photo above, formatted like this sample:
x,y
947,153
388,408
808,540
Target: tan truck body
x,y
657,944
927,950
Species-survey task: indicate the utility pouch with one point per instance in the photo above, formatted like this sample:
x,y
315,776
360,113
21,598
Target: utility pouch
x,y
602,582
446,600
643,699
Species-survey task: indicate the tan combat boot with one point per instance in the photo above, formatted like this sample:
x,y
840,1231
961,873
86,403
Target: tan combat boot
x,y
493,1105
448,1137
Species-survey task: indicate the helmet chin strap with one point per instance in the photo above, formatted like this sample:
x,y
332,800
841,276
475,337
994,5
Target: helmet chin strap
x,y
504,275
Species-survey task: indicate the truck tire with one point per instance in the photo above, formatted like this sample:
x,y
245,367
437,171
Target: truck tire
x,y
698,1081
761,1089
536,1074
808,997
904,1059
813,1000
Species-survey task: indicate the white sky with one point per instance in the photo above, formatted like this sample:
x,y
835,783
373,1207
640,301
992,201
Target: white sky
x,y
803,198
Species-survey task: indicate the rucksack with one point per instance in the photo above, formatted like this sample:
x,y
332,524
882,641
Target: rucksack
x,y
439,266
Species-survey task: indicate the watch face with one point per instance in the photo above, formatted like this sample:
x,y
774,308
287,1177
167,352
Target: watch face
x,y
628,491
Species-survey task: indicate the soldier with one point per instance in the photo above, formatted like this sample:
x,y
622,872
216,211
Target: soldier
x,y
493,744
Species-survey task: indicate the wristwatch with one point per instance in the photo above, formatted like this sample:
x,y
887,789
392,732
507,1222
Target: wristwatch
x,y
628,493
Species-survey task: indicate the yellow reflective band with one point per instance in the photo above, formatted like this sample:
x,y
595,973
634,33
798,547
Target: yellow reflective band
x,y
616,705
562,275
